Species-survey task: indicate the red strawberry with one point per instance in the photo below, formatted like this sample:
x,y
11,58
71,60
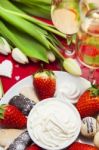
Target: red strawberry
x,y
33,147
88,104
89,50
80,146
44,84
11,117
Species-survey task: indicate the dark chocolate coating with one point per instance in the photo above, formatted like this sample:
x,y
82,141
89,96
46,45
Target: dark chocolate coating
x,y
22,103
21,142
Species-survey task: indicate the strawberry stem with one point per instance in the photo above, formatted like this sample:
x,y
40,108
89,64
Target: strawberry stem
x,y
94,90
2,110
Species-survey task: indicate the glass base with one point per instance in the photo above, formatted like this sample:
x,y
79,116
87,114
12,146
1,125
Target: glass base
x,y
70,53
84,64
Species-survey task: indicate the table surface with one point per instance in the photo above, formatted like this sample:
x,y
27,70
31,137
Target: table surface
x,y
22,71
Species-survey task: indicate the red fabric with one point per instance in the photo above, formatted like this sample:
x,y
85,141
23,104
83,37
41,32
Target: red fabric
x,y
23,71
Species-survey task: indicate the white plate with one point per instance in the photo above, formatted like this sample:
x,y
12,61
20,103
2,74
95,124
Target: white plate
x,y
62,78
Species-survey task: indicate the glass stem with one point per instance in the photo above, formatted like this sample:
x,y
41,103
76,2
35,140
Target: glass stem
x,y
91,76
70,51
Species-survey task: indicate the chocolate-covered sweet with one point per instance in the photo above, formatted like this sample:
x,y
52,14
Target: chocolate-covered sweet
x,y
88,127
21,142
22,103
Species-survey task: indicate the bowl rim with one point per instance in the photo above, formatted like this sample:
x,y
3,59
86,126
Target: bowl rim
x,y
73,139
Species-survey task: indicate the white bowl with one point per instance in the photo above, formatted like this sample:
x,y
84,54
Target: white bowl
x,y
72,113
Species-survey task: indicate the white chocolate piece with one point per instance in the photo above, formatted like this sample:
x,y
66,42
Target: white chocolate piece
x,y
88,127
29,93
96,140
6,68
7,136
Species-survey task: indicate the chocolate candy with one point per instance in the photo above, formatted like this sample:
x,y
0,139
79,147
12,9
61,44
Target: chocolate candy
x,y
22,103
21,142
88,127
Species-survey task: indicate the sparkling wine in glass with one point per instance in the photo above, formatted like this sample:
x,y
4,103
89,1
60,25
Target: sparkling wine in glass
x,y
88,42
66,18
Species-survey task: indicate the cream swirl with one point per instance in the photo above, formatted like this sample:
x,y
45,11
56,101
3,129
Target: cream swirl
x,y
70,91
53,123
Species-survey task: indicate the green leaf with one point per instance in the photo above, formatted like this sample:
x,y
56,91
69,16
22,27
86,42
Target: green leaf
x,y
25,43
22,24
35,11
34,1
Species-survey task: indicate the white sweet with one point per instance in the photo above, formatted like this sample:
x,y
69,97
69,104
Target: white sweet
x,y
52,123
4,46
18,56
6,68
88,127
96,140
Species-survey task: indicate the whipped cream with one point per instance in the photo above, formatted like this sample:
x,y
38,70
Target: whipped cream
x,y
70,91
52,124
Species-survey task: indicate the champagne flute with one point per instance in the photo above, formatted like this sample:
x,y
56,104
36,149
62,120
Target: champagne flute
x,y
87,5
66,18
88,42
